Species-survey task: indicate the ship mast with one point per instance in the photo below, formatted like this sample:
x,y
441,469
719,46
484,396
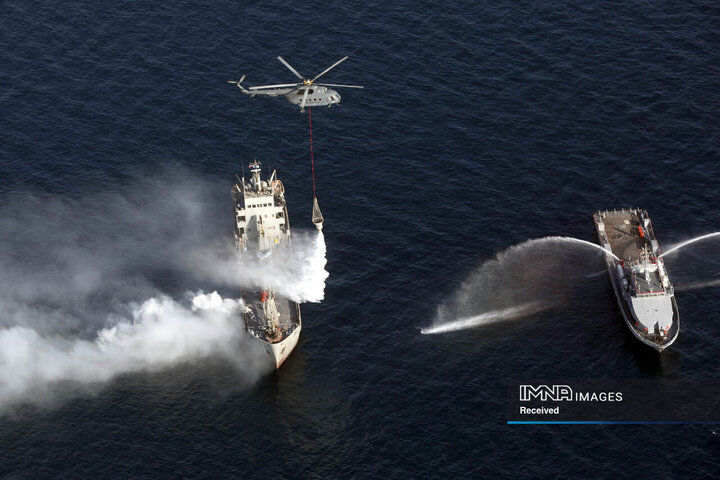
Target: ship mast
x,y
255,180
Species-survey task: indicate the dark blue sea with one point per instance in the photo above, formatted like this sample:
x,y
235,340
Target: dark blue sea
x,y
481,125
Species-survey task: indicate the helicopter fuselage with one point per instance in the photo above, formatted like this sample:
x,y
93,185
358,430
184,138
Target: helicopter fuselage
x,y
317,96
305,93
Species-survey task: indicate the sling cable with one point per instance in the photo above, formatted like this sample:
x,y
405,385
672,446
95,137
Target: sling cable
x,y
317,217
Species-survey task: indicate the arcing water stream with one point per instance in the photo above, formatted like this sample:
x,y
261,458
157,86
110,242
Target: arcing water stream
x,y
692,240
581,242
525,279
485,318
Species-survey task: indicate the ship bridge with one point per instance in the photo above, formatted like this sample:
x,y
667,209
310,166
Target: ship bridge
x,y
260,211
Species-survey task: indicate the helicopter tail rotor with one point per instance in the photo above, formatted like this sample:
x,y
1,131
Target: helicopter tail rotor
x,y
239,84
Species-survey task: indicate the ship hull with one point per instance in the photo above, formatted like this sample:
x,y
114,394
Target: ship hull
x,y
629,317
279,352
276,349
262,240
614,267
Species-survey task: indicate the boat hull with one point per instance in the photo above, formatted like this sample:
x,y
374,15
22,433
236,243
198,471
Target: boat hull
x,y
280,351
625,301
630,319
276,350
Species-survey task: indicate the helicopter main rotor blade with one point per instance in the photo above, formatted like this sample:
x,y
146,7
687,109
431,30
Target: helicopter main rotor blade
x,y
282,85
338,85
302,104
291,68
330,68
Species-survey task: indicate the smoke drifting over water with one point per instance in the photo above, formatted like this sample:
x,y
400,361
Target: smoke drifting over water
x,y
96,286
160,333
523,280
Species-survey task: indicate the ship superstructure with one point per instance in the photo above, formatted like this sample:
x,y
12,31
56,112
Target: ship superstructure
x,y
262,240
642,287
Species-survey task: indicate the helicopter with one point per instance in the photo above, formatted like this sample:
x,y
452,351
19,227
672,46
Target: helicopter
x,y
304,93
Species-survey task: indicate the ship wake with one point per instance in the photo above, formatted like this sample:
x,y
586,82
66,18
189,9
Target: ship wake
x,y
521,281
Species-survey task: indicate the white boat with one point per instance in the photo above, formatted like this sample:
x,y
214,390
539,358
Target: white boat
x,y
262,239
642,287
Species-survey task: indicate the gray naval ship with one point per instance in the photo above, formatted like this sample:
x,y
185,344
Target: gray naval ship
x,y
642,287
262,239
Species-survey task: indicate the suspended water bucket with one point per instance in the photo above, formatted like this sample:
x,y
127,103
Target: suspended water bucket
x,y
317,217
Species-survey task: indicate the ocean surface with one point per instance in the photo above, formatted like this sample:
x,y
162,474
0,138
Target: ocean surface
x,y
482,125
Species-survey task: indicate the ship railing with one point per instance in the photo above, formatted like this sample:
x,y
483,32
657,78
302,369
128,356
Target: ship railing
x,y
650,294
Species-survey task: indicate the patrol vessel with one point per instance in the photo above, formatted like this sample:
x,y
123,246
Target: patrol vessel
x,y
262,239
638,275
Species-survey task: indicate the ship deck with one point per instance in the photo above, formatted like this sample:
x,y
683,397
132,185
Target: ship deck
x,y
284,306
257,323
648,285
621,228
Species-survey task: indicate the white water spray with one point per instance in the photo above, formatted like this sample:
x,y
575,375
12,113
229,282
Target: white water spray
x,y
300,277
582,242
486,318
310,283
527,278
684,287
693,240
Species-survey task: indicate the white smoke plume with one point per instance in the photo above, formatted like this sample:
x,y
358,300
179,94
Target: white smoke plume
x,y
161,332
94,285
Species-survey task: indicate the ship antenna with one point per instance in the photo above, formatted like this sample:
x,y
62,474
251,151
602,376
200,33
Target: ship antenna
x,y
242,163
